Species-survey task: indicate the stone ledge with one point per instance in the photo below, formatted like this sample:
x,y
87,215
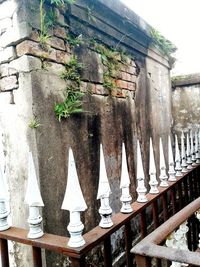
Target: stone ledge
x,y
7,54
186,80
28,47
9,83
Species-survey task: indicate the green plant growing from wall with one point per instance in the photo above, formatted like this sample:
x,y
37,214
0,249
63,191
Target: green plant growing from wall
x,y
48,17
164,45
111,60
74,40
34,124
72,71
72,104
73,97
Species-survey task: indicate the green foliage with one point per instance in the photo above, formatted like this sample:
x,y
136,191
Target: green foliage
x,y
48,17
164,45
72,71
60,3
73,99
74,41
89,14
56,2
111,59
71,104
108,82
34,124
70,2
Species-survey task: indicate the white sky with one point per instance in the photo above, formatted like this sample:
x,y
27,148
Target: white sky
x,y
178,21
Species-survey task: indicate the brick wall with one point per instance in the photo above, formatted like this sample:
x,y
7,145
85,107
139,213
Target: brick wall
x,y
137,107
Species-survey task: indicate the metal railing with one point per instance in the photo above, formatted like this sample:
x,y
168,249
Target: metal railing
x,y
152,246
171,199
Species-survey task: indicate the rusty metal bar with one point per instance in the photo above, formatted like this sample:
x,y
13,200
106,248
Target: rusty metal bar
x,y
93,237
173,200
143,224
186,197
196,182
4,253
96,235
155,214
192,184
143,261
37,257
78,262
164,205
128,244
149,246
180,195
189,239
107,252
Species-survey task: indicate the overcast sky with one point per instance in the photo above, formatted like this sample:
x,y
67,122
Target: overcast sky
x,y
178,21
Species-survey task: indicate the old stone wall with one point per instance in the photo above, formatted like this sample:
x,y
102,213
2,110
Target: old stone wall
x,y
129,102
186,102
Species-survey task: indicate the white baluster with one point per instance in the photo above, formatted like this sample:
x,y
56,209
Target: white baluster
x,y
171,243
177,158
189,160
172,177
192,149
152,172
197,213
141,189
34,200
199,137
197,154
163,176
103,194
3,207
183,155
178,240
124,185
74,202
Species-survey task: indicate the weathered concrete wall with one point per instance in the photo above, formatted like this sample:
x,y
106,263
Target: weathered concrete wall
x,y
186,102
139,105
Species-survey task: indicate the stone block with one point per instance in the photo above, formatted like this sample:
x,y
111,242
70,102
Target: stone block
x,y
5,24
125,76
91,88
92,66
7,54
28,47
53,41
8,83
52,67
117,92
25,64
56,42
100,90
122,84
59,32
83,87
15,35
131,86
3,70
7,9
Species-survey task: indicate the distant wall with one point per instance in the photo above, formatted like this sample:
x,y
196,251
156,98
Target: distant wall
x,y
186,102
139,105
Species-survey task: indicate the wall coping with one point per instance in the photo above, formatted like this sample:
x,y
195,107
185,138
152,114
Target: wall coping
x,y
136,29
185,80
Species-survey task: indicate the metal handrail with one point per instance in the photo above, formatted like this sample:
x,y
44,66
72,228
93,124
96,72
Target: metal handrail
x,y
99,235
150,245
